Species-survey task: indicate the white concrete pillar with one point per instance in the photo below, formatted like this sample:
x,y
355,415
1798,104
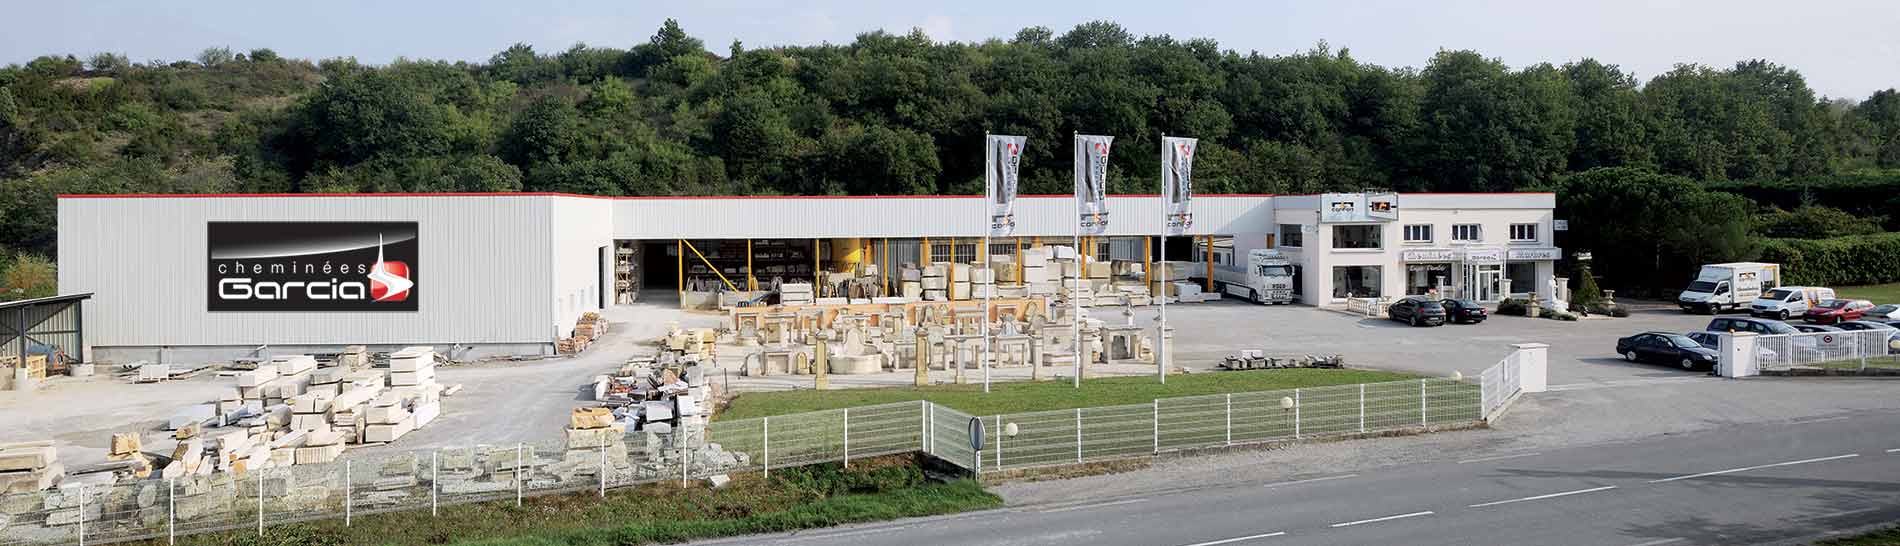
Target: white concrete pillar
x,y
1736,355
1533,366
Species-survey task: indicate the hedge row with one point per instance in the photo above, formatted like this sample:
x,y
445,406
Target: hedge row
x,y
1840,261
1869,194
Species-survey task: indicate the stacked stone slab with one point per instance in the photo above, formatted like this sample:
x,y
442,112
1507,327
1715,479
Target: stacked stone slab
x,y
935,282
354,357
29,466
796,293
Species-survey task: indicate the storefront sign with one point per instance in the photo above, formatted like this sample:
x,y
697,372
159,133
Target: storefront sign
x,y
1428,255
1484,255
312,266
1535,254
1358,207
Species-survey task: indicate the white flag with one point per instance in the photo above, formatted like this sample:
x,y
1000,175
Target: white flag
x,y
1091,182
1177,183
1002,156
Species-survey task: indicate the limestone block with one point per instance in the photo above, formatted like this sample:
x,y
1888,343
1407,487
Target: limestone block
x,y
318,454
388,432
590,418
309,421
387,415
27,458
258,377
426,412
418,377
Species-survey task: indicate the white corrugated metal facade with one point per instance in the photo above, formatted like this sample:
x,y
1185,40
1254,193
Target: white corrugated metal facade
x,y
514,271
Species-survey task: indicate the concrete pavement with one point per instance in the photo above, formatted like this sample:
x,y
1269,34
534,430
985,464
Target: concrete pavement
x,y
1767,483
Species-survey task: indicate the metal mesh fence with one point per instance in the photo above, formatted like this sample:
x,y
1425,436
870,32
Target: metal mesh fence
x,y
1852,350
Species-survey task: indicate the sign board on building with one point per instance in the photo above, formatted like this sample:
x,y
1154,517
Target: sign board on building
x,y
1358,207
1428,255
1560,225
312,266
1484,255
1535,254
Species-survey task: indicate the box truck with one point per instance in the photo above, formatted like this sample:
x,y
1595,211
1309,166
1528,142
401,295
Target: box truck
x,y
1721,287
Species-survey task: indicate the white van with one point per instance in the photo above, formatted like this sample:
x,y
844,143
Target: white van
x,y
1789,301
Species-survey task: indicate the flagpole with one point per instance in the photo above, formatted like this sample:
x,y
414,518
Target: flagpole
x,y
984,255
1075,301
1161,335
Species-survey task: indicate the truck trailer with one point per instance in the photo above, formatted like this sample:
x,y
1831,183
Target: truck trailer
x,y
1721,287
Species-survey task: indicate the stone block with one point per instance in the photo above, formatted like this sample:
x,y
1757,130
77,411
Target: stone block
x,y
257,378
590,418
309,421
578,438
418,377
388,432
456,459
72,516
318,454
323,437
27,458
426,412
386,415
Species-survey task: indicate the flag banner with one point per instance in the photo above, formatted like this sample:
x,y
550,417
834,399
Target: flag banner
x,y
1091,182
1002,156
1177,183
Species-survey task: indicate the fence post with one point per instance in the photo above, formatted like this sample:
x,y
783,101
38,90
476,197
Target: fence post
x,y
1424,418
519,479
1362,408
767,433
260,503
1230,419
1078,435
603,472
679,435
1157,426
346,493
171,511
999,442
847,437
435,483
82,513
1296,414
923,427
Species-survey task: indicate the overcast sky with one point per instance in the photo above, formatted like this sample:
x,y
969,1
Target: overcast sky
x,y
1844,48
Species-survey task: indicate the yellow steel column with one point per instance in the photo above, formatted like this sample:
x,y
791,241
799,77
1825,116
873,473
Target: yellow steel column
x,y
884,271
1019,260
1209,239
1147,262
751,281
950,274
817,270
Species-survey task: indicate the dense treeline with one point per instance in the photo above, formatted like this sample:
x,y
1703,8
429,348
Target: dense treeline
x,y
899,114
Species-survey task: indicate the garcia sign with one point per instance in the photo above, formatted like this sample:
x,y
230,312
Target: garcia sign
x,y
311,266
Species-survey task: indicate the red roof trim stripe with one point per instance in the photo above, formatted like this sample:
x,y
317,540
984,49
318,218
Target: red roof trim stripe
x,y
672,197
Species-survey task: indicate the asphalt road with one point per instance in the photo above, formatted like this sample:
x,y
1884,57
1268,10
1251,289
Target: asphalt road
x,y
1745,484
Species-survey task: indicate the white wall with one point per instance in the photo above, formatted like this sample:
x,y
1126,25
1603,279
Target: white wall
x,y
483,273
928,216
578,227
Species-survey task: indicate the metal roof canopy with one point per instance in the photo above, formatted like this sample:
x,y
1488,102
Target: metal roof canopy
x,y
18,320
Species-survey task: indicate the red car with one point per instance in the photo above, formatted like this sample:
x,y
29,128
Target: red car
x,y
1835,311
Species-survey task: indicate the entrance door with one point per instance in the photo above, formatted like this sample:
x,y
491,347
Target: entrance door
x,y
1488,285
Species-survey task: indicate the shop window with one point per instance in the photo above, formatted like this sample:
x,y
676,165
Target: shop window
x,y
1418,233
1469,233
1523,233
1523,277
1290,236
1357,237
1358,281
1421,279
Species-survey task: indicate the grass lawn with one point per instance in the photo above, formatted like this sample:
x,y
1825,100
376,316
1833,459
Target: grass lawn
x,y
1884,537
1022,396
1877,293
793,499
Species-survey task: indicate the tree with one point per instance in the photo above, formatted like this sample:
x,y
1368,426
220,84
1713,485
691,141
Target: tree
x,y
30,276
1652,230
362,116
1484,128
519,64
213,57
543,133
109,63
1611,129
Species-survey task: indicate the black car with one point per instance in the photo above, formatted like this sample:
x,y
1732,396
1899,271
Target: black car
x,y
1417,310
1666,347
1461,311
1812,328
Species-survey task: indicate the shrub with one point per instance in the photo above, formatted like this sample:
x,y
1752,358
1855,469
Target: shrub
x,y
1587,294
1815,222
1839,261
1514,307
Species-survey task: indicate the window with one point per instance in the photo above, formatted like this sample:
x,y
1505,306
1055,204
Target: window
x,y
1523,233
1290,236
1467,232
1418,233
1357,237
1357,282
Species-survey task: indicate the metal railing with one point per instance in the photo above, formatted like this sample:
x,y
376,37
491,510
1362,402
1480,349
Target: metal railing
x,y
374,481
1500,383
1848,350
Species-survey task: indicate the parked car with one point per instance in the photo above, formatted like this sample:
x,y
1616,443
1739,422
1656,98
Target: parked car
x,y
1758,326
1788,301
1836,310
1812,328
1462,311
1883,312
1713,341
1416,310
1676,349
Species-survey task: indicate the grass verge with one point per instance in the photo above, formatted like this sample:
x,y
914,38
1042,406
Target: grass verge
x,y
795,498
1025,396
1877,293
1884,537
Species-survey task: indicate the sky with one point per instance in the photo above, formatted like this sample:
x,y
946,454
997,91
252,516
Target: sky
x,y
1845,48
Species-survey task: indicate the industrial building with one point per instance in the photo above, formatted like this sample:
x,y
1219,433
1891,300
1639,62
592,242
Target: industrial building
x,y
199,277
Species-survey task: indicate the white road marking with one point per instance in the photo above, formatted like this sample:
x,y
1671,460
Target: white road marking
x,y
1894,450
1387,518
1542,497
1658,542
1835,514
1328,478
1088,506
1620,383
1819,420
1498,458
1748,468
1239,539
